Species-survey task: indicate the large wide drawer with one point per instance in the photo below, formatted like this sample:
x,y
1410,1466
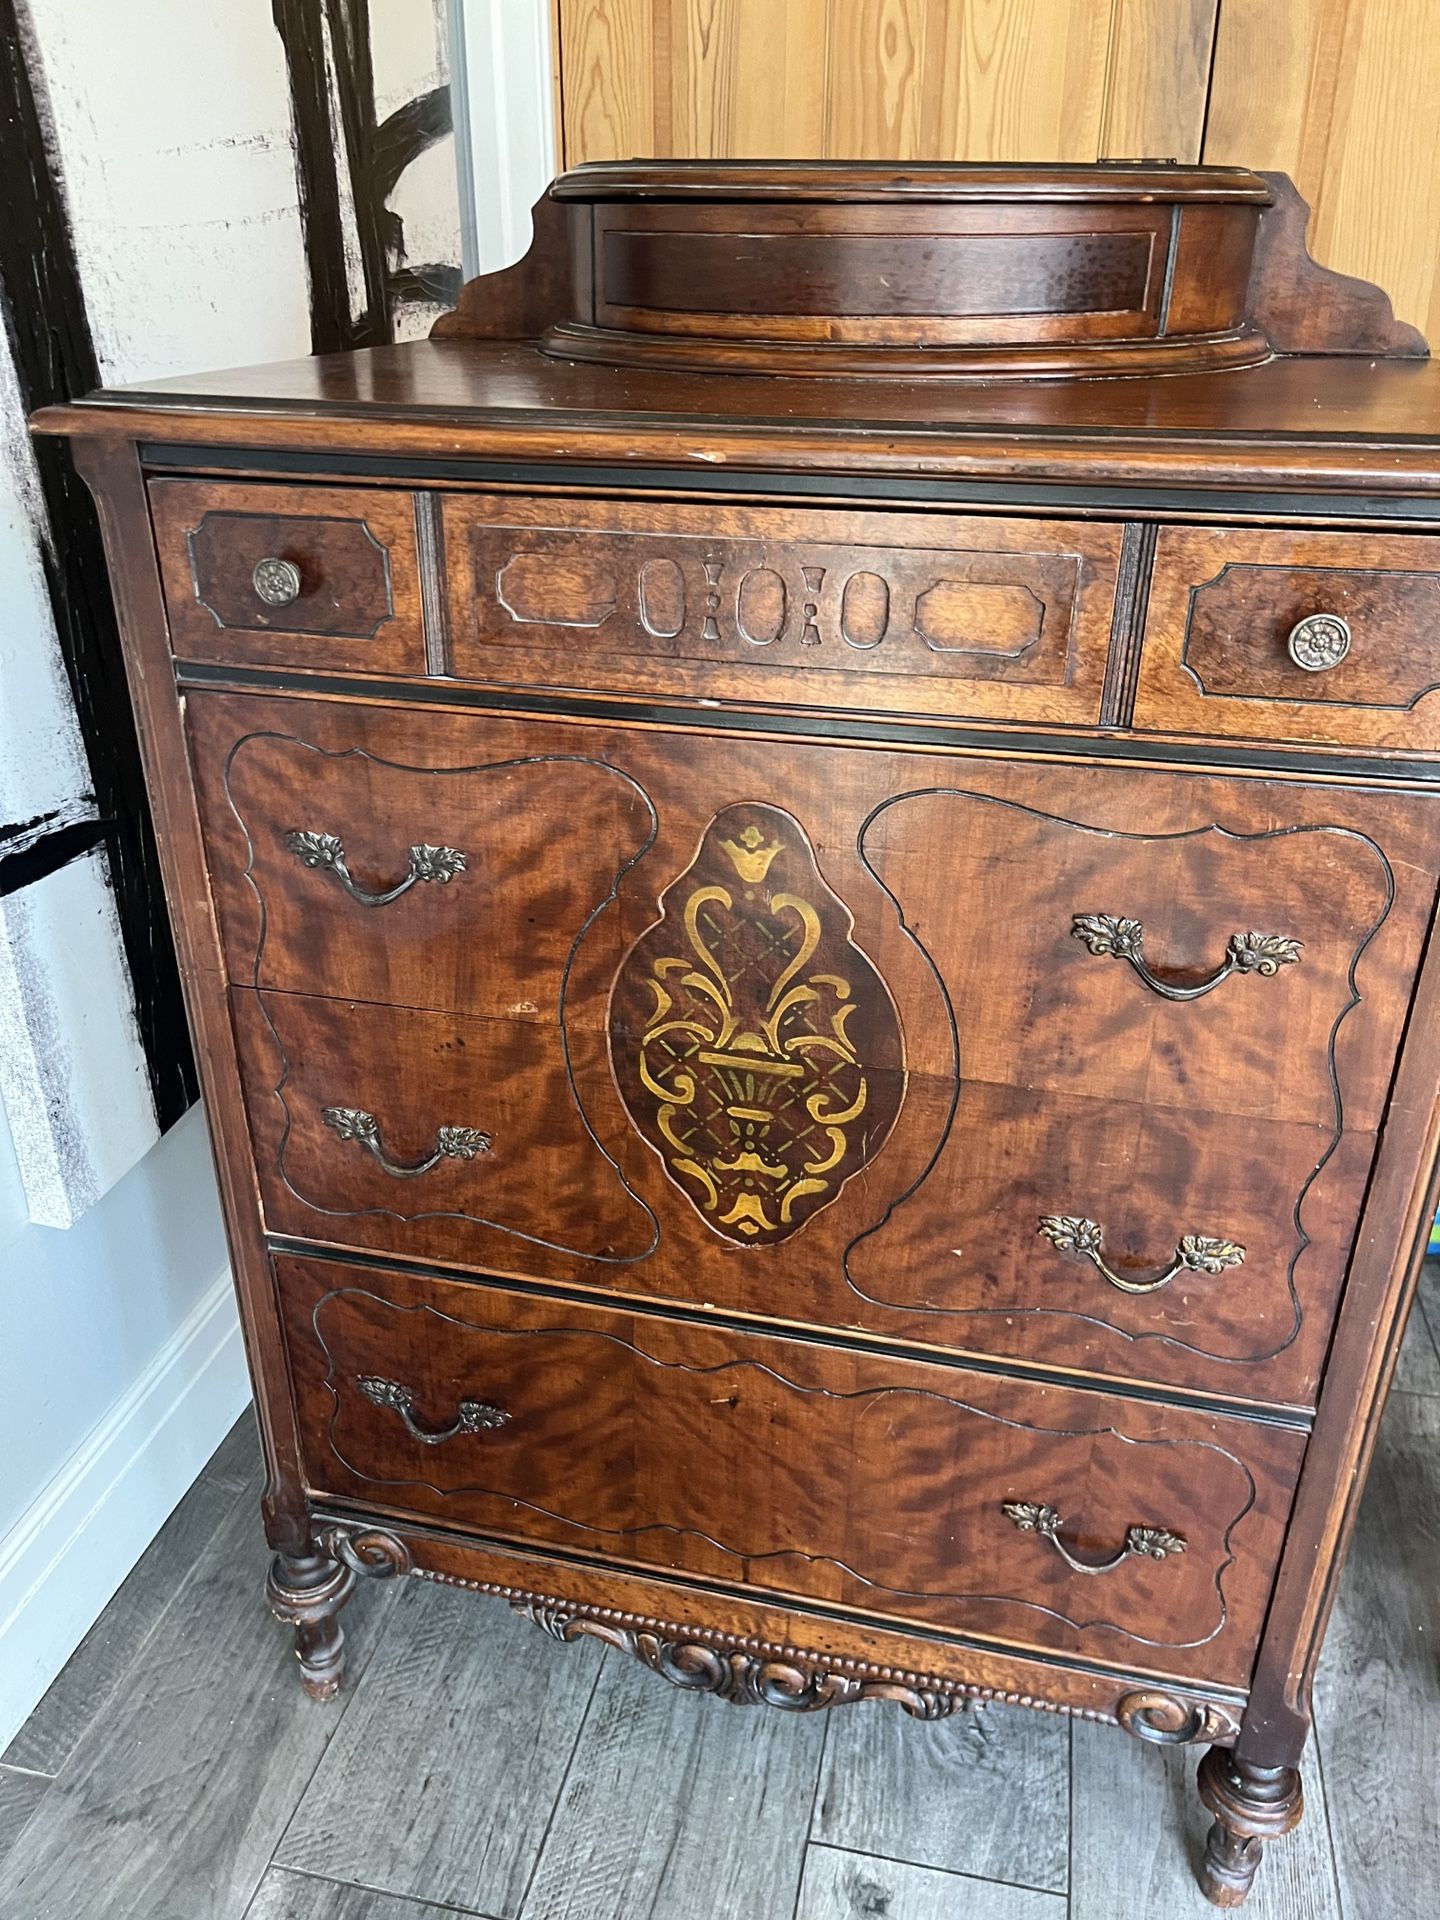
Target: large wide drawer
x,y
899,1489
1079,1066
956,614
1318,637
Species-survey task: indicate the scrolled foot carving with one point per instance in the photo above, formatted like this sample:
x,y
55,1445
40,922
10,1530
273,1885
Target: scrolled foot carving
x,y
306,1592
1251,1805
1166,1721
741,1676
367,1550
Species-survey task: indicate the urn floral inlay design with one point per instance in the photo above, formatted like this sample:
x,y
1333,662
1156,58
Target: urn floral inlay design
x,y
755,1046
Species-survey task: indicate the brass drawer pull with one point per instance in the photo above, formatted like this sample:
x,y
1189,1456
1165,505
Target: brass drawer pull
x,y
1196,1253
451,1143
1149,1543
276,582
1319,642
324,853
472,1416
1109,934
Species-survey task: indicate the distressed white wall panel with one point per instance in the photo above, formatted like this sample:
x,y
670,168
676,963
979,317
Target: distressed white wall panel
x,y
42,764
173,123
72,1073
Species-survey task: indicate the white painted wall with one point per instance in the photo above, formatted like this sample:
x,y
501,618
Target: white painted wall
x,y
504,124
120,1358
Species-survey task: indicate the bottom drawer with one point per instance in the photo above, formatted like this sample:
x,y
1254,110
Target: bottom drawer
x,y
901,1489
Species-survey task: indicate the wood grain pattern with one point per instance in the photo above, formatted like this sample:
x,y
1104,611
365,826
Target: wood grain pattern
x,y
283,1895
612,1853
359,600
1134,1810
607,81
656,1419
98,1667
1287,424
452,1725
184,1854
1338,94
910,612
1082,1091
1158,78
1223,603
607,1411
879,79
843,1886
1378,1661
20,1794
985,1793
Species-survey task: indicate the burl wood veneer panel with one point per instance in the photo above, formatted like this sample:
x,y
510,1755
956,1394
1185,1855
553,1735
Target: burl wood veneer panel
x,y
677,1447
813,1029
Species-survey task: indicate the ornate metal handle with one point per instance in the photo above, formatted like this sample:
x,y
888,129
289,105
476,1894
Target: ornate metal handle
x,y
451,1143
472,1416
1150,1543
1319,642
276,582
1196,1253
324,853
1262,953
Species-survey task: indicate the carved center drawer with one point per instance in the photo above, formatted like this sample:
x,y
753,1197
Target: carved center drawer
x,y
908,612
1074,1521
942,1049
1330,637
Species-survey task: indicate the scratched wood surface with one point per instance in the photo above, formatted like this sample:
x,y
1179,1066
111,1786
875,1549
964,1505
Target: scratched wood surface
x,y
623,1796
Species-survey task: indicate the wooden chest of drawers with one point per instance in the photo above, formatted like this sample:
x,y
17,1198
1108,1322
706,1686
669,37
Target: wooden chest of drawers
x,y
815,995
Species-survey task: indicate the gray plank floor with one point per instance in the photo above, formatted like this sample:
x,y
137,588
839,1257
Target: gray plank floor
x,y
175,1771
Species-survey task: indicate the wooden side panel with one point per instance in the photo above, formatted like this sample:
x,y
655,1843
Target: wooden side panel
x,y
882,79
1158,72
607,98
1341,95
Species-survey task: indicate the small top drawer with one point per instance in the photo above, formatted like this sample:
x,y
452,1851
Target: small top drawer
x,y
1327,637
954,614
321,577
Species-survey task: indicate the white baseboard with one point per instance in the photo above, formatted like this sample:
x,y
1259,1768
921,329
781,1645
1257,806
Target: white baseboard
x,y
69,1551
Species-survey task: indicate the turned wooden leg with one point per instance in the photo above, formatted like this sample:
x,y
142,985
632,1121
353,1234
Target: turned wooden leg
x,y
1251,1805
307,1591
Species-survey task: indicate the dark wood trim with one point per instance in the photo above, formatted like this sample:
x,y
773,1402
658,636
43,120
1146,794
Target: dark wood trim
x,y
113,475
1007,741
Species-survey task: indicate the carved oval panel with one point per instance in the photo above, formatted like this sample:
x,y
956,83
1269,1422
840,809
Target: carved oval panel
x,y
755,1046
760,607
865,610
662,598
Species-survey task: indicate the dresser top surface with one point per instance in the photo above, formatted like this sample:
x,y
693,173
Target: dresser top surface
x,y
1308,421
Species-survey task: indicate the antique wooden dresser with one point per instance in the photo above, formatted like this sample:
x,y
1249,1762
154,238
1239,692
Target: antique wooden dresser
x,y
804,850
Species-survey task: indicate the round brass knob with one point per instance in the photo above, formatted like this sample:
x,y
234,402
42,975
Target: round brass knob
x,y
276,582
1319,642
